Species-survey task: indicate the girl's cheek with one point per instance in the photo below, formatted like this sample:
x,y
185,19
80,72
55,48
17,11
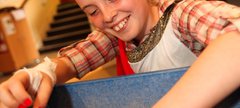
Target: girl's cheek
x,y
97,23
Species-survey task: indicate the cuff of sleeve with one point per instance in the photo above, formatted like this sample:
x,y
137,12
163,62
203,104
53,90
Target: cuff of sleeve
x,y
78,60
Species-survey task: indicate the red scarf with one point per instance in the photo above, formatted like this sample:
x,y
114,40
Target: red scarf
x,y
123,67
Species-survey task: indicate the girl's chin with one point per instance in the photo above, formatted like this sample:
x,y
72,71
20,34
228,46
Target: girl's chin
x,y
125,39
120,36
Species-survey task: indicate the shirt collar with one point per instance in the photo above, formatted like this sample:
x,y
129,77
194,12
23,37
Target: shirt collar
x,y
163,5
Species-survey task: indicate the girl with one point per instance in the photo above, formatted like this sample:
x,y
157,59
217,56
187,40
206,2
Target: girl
x,y
145,35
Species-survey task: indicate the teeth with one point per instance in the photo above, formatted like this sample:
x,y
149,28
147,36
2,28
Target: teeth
x,y
120,25
116,28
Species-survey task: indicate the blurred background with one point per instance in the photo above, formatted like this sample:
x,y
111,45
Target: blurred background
x,y
33,29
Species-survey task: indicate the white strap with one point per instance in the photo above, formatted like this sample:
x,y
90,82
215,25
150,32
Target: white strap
x,y
35,76
48,67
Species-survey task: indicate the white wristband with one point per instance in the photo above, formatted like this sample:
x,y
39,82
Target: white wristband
x,y
35,76
48,67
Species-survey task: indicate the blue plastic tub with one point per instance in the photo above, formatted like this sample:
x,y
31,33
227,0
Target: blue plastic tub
x,y
134,91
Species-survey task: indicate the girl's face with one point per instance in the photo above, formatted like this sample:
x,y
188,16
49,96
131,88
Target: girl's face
x,y
125,19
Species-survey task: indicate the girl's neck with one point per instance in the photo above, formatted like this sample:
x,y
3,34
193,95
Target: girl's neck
x,y
153,19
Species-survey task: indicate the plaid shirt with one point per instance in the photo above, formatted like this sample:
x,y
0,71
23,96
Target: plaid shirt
x,y
195,23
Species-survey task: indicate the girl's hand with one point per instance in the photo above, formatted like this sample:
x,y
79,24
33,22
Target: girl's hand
x,y
14,94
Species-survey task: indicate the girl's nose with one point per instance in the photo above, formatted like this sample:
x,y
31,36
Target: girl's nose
x,y
109,15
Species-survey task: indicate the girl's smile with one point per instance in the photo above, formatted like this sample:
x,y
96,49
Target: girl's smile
x,y
120,26
124,19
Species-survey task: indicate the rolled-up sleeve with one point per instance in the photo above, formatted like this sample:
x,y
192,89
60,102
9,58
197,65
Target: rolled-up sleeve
x,y
87,55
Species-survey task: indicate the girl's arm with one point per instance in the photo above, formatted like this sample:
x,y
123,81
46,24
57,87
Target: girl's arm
x,y
214,75
75,60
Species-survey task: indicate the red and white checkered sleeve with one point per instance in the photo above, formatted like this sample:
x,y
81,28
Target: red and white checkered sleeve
x,y
89,54
202,21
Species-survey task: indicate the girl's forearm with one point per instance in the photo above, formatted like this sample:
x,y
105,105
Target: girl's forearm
x,y
210,79
64,70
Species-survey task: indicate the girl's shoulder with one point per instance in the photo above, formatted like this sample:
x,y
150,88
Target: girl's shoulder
x,y
200,21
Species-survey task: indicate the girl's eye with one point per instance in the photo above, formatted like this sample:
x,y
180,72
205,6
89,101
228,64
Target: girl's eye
x,y
93,13
111,1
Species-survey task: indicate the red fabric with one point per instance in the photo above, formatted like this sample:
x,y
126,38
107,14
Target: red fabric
x,y
123,67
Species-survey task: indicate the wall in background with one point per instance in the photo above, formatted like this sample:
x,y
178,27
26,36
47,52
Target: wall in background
x,y
39,14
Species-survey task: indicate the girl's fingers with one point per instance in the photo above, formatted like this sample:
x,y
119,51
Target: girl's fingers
x,y
20,94
44,92
2,105
6,98
13,92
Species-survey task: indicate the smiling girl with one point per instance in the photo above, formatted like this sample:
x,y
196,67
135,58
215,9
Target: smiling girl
x,y
146,35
